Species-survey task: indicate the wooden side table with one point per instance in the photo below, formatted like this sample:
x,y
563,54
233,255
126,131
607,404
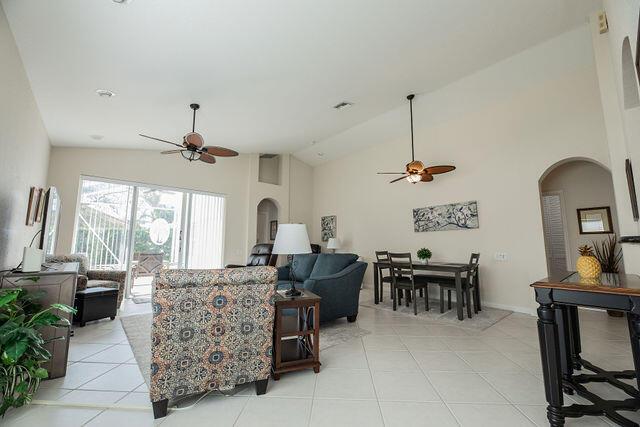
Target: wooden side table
x,y
296,336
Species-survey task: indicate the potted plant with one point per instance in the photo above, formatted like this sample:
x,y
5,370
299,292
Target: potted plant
x,y
22,348
424,254
609,255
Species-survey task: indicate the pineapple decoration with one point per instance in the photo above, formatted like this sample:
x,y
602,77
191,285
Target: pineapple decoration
x,y
588,266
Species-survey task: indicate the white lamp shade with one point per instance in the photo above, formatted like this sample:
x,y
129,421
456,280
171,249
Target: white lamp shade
x,y
292,239
333,243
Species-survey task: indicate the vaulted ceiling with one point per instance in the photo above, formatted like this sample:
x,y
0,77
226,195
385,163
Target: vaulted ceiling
x,y
266,73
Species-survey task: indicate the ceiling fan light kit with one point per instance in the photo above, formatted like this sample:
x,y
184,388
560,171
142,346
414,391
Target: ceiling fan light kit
x,y
415,169
193,148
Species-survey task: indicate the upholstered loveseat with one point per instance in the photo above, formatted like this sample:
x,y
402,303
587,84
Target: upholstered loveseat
x,y
336,278
212,330
93,278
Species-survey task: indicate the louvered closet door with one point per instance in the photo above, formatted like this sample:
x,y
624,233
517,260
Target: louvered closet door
x,y
554,236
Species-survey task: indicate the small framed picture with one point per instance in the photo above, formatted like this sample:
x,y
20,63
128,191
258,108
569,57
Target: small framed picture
x,y
273,230
32,207
595,220
41,202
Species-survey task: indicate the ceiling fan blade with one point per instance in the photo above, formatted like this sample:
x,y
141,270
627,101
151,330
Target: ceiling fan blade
x,y
398,179
435,170
219,151
172,151
158,139
207,158
391,173
426,176
194,138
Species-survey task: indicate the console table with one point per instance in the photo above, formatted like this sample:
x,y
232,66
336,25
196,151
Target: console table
x,y
559,333
57,282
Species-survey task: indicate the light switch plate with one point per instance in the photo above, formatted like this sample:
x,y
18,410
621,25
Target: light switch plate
x,y
500,256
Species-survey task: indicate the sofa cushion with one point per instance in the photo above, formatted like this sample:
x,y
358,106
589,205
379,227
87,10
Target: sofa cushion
x,y
328,264
286,285
103,284
302,265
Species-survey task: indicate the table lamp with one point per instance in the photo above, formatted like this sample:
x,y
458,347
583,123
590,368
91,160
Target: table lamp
x,y
333,243
292,239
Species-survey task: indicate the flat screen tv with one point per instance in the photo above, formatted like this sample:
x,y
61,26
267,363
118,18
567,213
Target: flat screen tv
x,y
50,220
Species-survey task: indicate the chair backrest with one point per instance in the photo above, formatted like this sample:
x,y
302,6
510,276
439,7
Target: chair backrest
x,y
211,329
382,256
401,265
81,259
261,255
149,263
472,270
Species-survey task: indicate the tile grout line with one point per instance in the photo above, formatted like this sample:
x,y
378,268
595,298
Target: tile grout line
x,y
375,390
424,374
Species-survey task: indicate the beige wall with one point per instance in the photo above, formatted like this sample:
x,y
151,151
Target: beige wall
x,y
24,150
236,178
503,128
301,209
583,185
622,125
227,176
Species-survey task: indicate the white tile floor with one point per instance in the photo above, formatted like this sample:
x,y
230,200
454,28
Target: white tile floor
x,y
405,373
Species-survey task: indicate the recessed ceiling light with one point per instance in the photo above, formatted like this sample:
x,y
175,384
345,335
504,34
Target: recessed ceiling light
x,y
122,1
105,93
320,154
343,105
96,137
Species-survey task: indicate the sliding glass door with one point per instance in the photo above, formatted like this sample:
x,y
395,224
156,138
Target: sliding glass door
x,y
102,224
143,229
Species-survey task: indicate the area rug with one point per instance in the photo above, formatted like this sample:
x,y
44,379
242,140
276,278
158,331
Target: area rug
x,y
480,321
138,330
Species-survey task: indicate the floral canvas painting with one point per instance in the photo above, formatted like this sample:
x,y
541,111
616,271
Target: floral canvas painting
x,y
328,227
455,216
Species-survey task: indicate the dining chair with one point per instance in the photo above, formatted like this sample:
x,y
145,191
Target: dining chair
x,y
402,278
383,258
470,287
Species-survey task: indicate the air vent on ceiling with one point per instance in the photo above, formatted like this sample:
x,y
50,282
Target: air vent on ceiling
x,y
267,156
343,105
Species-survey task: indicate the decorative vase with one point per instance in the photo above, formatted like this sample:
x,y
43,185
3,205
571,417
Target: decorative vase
x,y
587,265
423,260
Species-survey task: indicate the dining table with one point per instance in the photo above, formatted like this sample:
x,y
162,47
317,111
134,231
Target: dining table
x,y
446,269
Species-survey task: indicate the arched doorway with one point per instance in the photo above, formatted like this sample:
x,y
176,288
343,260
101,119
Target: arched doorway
x,y
629,82
575,194
266,221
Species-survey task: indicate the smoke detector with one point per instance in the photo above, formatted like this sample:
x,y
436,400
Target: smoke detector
x,y
104,93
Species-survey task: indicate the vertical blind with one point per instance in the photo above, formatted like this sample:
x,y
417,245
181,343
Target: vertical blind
x,y
553,225
206,231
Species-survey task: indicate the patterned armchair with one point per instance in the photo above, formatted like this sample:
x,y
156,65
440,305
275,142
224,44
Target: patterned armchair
x,y
212,330
93,278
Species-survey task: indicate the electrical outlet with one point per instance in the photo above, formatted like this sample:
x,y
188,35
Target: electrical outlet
x,y
500,256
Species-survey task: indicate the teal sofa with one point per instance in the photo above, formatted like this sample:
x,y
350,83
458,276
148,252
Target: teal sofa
x,y
336,278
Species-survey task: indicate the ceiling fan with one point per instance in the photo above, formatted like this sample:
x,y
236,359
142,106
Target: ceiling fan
x,y
416,170
193,148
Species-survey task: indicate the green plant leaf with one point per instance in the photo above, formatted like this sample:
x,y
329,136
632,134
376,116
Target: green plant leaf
x,y
64,308
9,297
15,350
41,373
